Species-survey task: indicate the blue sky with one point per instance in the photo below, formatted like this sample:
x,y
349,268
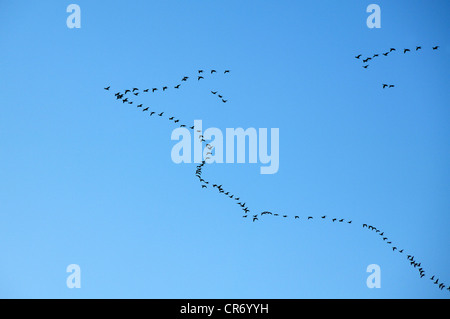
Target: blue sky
x,y
89,181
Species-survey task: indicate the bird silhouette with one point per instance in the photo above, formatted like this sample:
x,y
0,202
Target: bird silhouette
x,y
177,86
406,50
154,89
200,77
418,48
365,66
226,71
358,56
436,47
107,88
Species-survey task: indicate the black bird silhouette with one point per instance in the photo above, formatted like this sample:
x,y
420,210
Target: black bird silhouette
x,y
224,101
137,93
220,96
135,89
161,114
185,78
200,77
164,88
200,71
406,50
146,90
255,218
391,86
367,60
392,49
418,48
365,66
146,109
296,217
386,54
358,56
226,71
140,105
212,71
436,47
213,92
151,113
171,118
375,55
177,87
385,85
154,89
310,217
107,88
126,91
324,216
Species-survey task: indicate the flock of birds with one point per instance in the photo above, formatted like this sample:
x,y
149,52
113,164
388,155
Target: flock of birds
x,y
367,59
243,206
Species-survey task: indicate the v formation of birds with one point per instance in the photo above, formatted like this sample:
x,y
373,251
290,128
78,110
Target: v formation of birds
x,y
126,96
385,54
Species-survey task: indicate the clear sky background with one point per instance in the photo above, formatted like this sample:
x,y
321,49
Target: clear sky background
x,y
87,180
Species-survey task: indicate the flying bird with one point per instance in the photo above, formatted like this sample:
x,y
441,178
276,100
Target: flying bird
x,y
406,50
358,56
418,48
436,47
154,89
177,87
200,77
146,109
365,66
226,71
213,71
107,88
